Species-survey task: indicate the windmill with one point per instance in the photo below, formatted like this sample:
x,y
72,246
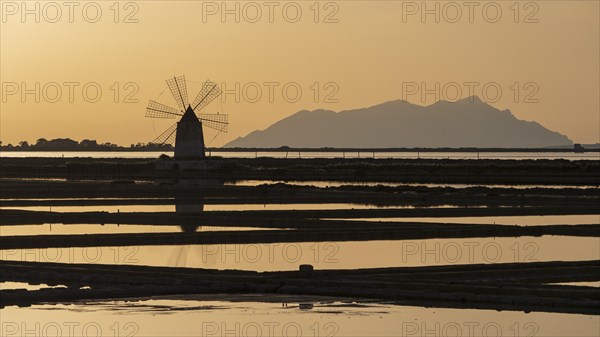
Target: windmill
x,y
187,132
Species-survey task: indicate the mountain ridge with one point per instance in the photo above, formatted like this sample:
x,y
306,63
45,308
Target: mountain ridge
x,y
469,122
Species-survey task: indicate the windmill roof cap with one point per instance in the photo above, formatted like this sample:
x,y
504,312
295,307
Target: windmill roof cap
x,y
189,116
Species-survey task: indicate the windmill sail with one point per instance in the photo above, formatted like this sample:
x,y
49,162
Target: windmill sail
x,y
157,110
167,137
210,91
179,91
187,133
218,122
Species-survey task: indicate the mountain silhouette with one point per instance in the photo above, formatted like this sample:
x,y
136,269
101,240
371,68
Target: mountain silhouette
x,y
399,124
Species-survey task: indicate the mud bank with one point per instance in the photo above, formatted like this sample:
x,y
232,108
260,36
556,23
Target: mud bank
x,y
483,171
513,286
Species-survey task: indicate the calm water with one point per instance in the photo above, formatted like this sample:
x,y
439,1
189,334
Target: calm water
x,y
327,255
247,315
206,207
59,229
527,220
283,154
63,229
23,285
266,315
394,184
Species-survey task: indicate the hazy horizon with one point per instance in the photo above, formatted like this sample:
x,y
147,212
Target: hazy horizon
x,y
472,99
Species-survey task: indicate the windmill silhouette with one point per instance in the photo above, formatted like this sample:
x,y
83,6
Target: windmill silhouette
x,y
187,132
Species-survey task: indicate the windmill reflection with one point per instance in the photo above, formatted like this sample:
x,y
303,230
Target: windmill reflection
x,y
187,207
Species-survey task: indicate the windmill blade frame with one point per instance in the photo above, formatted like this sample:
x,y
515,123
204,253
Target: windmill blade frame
x,y
219,122
179,90
210,90
158,110
187,134
167,137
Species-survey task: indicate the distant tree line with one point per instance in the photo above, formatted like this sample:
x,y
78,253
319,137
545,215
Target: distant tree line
x,y
66,144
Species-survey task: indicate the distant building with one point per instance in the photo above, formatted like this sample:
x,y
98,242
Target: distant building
x,y
578,148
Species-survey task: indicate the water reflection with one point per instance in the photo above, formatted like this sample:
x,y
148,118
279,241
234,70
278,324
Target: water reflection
x,y
215,207
327,255
510,220
26,286
260,315
189,207
595,284
331,183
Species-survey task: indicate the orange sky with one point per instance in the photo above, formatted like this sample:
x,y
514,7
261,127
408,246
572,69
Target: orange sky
x,y
373,51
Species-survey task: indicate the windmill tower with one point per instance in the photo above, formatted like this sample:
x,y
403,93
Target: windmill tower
x,y
187,132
